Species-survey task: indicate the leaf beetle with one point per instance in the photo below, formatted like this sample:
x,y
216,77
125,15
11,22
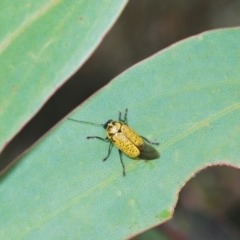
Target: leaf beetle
x,y
125,139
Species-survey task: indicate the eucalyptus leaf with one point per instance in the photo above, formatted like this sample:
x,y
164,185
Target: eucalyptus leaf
x,y
187,97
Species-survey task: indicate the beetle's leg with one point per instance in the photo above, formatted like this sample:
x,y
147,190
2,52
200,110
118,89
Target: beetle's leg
x,y
102,139
120,155
153,143
109,151
120,116
125,116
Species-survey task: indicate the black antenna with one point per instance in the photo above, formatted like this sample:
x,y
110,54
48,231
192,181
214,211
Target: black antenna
x,y
75,120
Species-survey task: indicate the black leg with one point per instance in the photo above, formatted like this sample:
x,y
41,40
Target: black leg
x,y
102,139
125,116
120,116
153,143
109,151
120,155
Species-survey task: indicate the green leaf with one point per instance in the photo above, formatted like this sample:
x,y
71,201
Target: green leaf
x,y
187,97
42,43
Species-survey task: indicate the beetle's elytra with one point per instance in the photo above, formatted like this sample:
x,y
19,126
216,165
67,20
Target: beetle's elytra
x,y
126,140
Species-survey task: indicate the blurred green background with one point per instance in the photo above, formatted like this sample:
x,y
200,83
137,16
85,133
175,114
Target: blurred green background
x,y
209,204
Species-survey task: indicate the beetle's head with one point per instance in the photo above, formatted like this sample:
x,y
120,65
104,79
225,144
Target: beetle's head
x,y
106,124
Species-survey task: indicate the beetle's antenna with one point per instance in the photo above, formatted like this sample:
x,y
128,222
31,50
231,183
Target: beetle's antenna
x,y
96,124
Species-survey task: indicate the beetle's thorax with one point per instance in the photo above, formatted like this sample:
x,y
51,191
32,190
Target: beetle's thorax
x,y
113,127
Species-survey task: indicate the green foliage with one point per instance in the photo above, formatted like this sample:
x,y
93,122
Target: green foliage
x,y
186,97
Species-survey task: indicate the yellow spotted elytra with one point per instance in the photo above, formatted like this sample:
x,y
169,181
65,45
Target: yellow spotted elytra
x,y
126,140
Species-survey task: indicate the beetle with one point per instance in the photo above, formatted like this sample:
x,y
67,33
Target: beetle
x,y
125,139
